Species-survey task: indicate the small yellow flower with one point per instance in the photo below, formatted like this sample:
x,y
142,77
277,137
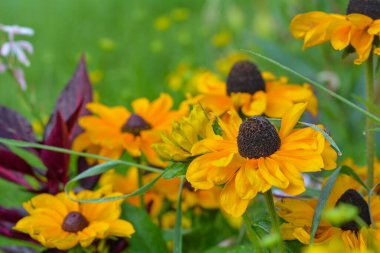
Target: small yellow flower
x,y
107,44
96,76
177,144
221,39
112,130
180,14
58,222
357,29
251,157
162,23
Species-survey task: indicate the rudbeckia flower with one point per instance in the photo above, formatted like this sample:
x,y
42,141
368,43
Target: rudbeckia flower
x,y
252,156
112,130
251,92
58,222
298,215
178,142
358,29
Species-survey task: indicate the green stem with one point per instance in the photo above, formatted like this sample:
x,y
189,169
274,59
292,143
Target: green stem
x,y
177,242
273,215
370,135
253,237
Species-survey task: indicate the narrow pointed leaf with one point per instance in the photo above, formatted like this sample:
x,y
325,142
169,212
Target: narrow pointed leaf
x,y
325,193
72,102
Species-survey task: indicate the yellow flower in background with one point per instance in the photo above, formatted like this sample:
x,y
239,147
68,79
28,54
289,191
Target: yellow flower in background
x,y
251,157
252,92
96,76
180,14
221,39
177,79
362,170
298,215
224,64
168,221
357,29
162,23
112,130
107,44
58,222
128,183
178,142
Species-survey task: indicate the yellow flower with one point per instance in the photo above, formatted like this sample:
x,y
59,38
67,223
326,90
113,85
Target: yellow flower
x,y
251,157
357,29
221,39
58,222
168,221
362,170
96,76
112,130
298,215
189,130
107,44
162,23
180,14
251,92
177,79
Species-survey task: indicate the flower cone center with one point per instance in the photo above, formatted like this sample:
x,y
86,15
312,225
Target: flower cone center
x,y
257,138
135,124
74,222
370,8
352,197
244,77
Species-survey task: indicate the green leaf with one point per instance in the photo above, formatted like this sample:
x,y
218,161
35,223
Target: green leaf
x,y
318,85
148,237
325,193
176,169
101,168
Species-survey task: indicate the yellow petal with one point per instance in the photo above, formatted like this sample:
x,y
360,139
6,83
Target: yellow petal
x,y
291,118
230,201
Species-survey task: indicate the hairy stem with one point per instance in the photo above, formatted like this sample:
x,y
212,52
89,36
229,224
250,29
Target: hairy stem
x,y
370,135
275,222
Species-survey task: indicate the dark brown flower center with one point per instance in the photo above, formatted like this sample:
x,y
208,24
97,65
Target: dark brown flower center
x,y
244,77
74,222
352,197
370,8
257,138
135,124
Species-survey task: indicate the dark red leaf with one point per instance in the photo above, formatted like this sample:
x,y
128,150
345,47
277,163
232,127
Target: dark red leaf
x,y
56,163
14,177
12,162
11,215
72,101
15,126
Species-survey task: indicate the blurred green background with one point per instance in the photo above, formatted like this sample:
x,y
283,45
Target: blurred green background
x,y
133,46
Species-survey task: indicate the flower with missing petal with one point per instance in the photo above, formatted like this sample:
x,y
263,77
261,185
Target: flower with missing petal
x,y
356,31
251,92
112,130
252,156
58,222
298,215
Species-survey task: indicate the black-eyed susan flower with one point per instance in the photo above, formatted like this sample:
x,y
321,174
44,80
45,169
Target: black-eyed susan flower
x,y
58,222
113,130
358,29
298,215
251,92
252,156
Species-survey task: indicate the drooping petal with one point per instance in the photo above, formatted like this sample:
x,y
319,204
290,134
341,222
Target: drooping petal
x,y
230,201
291,118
